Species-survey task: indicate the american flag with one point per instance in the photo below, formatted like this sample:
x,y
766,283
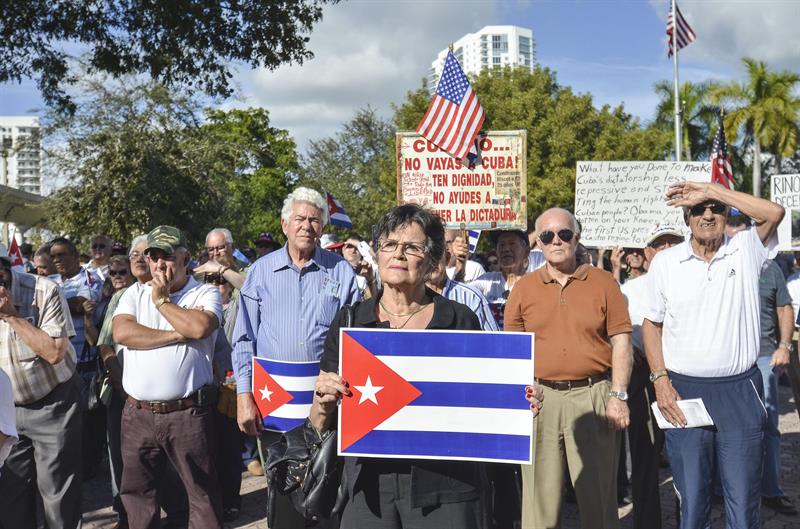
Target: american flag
x,y
455,115
685,32
721,172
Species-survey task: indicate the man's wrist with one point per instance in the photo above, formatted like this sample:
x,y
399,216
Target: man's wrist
x,y
159,302
786,345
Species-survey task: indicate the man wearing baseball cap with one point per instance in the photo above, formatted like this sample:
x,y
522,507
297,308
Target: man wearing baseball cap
x,y
167,327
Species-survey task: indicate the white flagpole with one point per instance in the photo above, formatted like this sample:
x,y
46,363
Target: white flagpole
x,y
675,83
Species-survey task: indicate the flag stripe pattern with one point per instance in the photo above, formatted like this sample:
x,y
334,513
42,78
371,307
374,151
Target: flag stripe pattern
x,y
685,34
283,391
470,403
455,116
721,172
338,215
473,236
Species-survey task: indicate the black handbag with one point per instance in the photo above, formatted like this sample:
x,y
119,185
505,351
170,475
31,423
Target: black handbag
x,y
304,466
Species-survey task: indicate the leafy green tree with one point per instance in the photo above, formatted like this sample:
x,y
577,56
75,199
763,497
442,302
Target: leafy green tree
x,y
764,114
696,121
180,43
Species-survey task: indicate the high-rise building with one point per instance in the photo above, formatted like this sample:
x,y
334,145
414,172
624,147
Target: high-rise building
x,y
490,47
20,153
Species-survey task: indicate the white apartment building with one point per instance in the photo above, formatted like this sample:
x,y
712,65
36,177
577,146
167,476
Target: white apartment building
x,y
492,46
21,153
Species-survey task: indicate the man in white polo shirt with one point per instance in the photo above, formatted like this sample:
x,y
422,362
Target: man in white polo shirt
x,y
701,336
167,327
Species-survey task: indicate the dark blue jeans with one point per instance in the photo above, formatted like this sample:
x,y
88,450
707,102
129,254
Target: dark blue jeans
x,y
736,440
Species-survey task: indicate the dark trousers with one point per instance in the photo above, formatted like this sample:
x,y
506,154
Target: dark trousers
x,y
737,441
186,439
646,440
794,375
113,428
47,461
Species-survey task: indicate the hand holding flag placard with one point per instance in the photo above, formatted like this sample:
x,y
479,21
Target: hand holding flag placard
x,y
436,395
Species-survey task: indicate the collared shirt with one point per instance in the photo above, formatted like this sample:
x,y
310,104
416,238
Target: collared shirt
x,y
174,371
495,288
40,301
709,310
285,312
86,284
466,295
536,259
573,323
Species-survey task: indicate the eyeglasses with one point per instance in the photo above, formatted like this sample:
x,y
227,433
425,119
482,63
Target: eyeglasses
x,y
348,246
135,255
700,209
98,246
565,235
215,279
211,249
117,273
417,249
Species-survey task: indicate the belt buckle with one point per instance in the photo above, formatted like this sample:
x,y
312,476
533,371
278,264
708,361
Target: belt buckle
x,y
158,407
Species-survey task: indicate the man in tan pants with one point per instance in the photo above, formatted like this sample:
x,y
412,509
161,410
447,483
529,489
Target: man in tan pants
x,y
582,332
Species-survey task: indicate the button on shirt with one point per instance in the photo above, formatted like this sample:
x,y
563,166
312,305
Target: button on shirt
x,y
285,312
466,295
709,310
85,284
38,300
173,371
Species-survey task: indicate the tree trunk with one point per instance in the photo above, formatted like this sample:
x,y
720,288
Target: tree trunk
x,y
756,169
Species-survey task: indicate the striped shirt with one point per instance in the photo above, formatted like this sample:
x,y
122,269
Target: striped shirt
x,y
466,295
38,300
284,312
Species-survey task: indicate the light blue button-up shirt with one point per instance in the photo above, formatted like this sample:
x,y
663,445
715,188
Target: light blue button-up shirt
x,y
465,294
284,312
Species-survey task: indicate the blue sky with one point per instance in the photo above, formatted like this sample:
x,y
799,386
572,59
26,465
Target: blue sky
x,y
370,52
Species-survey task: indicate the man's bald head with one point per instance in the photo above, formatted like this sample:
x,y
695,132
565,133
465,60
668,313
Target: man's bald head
x,y
560,214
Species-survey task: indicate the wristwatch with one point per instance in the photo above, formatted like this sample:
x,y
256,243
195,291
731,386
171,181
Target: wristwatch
x,y
787,345
621,395
657,374
161,301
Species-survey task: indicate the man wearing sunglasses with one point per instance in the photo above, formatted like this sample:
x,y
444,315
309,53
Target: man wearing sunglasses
x,y
701,335
583,361
101,253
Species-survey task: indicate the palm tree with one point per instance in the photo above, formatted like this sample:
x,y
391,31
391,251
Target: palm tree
x,y
765,111
697,118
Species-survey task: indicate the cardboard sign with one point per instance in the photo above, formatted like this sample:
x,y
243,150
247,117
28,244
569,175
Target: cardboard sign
x,y
621,203
492,195
785,190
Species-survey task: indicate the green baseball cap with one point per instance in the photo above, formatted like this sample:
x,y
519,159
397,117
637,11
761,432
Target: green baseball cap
x,y
165,238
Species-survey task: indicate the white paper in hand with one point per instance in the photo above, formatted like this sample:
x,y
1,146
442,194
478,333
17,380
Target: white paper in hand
x,y
693,409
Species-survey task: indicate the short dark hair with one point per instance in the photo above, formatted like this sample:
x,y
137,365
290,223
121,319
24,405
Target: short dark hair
x,y
430,223
354,235
63,241
521,235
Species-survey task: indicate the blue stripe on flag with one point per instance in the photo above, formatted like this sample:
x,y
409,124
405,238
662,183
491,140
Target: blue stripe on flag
x,y
443,444
289,369
455,345
473,236
466,395
305,397
278,424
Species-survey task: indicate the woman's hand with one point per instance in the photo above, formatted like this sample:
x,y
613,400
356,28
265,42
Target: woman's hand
x,y
328,389
535,395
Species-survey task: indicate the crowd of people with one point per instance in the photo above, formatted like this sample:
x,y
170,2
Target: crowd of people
x,y
143,354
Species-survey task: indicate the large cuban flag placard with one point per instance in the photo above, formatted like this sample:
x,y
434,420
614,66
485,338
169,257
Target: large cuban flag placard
x,y
283,391
436,395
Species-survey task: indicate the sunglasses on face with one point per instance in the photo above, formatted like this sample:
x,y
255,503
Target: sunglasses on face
x,y
98,246
700,209
565,235
215,279
117,273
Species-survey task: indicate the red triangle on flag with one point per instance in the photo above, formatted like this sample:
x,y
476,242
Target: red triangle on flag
x,y
332,206
15,254
267,393
378,392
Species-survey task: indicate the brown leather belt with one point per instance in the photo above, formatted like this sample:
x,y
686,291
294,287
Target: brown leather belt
x,y
566,385
164,406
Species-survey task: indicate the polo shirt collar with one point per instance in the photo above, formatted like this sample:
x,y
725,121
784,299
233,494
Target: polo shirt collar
x,y
443,314
724,249
283,260
580,273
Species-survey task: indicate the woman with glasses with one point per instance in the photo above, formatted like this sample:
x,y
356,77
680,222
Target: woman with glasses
x,y
403,493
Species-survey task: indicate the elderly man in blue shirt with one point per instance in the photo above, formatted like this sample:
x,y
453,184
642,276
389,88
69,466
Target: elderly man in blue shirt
x,y
286,306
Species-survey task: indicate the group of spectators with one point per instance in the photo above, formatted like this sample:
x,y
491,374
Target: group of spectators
x,y
145,355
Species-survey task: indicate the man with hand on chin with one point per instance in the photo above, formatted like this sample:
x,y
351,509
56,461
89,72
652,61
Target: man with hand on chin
x,y
701,336
167,327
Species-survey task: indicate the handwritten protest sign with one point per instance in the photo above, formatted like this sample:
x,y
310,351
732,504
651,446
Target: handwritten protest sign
x,y
785,190
493,195
621,203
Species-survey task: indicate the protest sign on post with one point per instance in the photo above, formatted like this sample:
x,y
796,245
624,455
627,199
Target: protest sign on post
x,y
492,195
785,190
621,203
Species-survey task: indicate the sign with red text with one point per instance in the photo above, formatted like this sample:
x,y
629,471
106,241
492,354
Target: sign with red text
x,y
622,203
785,190
491,195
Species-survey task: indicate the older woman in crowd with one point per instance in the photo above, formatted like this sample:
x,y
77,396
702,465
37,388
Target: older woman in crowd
x,y
403,493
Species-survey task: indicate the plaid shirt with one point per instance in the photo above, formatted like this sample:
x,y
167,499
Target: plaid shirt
x,y
40,301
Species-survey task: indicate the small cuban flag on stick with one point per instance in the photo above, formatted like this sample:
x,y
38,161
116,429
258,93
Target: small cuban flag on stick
x,y
474,236
15,253
337,213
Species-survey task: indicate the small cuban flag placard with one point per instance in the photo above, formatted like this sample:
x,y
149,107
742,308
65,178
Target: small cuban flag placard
x,y
429,394
283,391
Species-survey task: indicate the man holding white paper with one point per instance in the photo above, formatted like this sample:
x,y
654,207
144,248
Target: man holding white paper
x,y
701,337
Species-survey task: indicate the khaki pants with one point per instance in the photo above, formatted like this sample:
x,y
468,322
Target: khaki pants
x,y
572,433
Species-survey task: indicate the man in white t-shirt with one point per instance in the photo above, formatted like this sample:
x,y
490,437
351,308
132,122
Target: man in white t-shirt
x,y
702,338
168,328
460,267
512,251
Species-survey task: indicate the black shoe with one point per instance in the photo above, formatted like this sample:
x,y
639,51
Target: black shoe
x,y
780,504
229,514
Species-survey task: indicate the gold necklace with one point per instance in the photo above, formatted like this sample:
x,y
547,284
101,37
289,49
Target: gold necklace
x,y
402,315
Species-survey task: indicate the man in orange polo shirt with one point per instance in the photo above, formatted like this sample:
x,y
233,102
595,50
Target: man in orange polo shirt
x,y
583,363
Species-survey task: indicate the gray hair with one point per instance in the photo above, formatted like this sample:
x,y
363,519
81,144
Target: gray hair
x,y
305,194
137,240
225,233
576,226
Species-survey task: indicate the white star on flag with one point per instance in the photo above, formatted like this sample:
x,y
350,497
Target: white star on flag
x,y
266,393
368,391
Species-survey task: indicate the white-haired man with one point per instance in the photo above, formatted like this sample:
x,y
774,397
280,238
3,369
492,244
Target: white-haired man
x,y
219,243
286,306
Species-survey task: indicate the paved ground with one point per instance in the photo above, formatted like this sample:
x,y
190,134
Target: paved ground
x,y
98,513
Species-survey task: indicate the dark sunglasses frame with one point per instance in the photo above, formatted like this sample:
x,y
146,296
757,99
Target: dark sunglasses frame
x,y
98,247
565,235
118,273
215,279
700,209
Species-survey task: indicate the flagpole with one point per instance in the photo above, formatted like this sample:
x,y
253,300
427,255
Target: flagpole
x,y
675,83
